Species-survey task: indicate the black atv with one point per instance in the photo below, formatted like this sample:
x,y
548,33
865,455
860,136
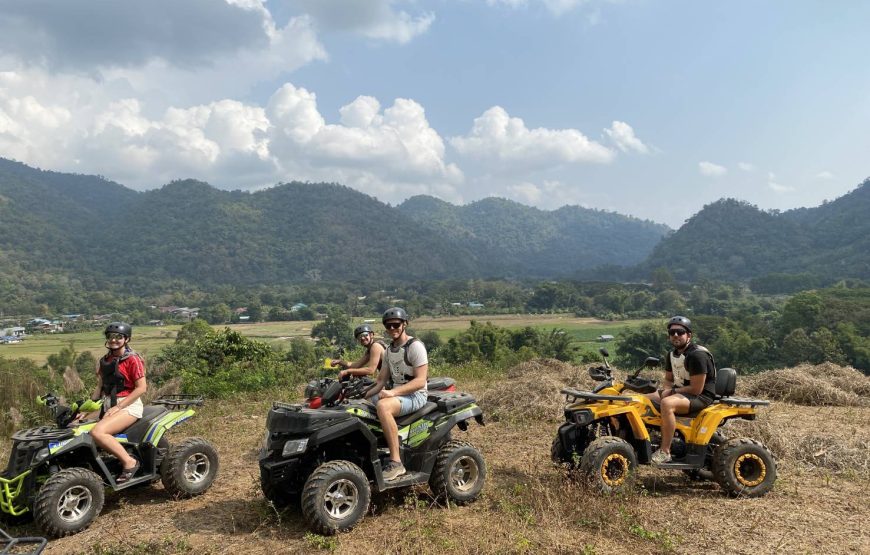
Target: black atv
x,y
357,385
57,475
327,460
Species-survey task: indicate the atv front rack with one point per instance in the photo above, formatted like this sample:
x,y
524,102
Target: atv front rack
x,y
21,546
179,400
574,394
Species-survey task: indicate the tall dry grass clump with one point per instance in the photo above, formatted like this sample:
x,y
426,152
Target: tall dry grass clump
x,y
72,382
530,390
813,385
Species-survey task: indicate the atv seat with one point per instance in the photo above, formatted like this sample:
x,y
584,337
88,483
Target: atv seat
x,y
137,431
403,421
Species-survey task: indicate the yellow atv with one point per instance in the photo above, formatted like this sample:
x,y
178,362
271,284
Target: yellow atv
x,y
609,430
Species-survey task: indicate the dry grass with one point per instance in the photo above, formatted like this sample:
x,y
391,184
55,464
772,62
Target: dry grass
x,y
528,505
821,385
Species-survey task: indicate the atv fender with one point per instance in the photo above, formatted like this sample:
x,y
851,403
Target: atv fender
x,y
164,423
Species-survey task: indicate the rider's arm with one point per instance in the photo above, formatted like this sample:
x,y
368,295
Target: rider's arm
x,y
668,384
368,364
419,382
695,387
383,376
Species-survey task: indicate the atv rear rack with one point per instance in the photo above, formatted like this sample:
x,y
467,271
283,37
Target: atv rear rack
x,y
574,394
743,402
179,400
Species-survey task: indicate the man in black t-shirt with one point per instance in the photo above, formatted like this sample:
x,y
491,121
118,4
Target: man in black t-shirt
x,y
689,386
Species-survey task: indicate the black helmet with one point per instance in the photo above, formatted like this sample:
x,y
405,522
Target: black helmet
x,y
361,329
119,327
681,321
395,313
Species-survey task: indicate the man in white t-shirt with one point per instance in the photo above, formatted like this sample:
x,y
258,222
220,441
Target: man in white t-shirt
x,y
404,369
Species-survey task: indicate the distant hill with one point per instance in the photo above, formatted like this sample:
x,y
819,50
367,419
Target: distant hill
x,y
66,228
518,240
733,240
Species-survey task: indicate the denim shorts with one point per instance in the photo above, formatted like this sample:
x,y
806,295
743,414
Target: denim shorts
x,y
408,403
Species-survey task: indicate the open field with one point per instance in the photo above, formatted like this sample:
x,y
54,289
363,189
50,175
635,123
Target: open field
x,y
528,505
148,340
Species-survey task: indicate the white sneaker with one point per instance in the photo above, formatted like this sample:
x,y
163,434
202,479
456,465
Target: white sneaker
x,y
660,457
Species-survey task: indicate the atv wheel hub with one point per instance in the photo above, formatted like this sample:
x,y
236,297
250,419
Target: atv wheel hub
x,y
196,468
750,470
614,470
464,473
340,499
74,503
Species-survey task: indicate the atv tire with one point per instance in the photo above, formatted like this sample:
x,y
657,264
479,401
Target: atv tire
x,y
609,463
459,473
335,497
189,468
744,467
69,502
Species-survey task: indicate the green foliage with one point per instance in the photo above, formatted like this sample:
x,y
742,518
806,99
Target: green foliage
x,y
634,345
301,353
500,346
224,362
335,330
432,340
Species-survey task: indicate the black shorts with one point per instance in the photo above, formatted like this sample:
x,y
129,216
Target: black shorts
x,y
697,402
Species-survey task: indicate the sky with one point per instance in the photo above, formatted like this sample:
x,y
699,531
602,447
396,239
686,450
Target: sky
x,y
646,108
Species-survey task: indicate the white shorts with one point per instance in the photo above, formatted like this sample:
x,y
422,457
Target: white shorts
x,y
135,409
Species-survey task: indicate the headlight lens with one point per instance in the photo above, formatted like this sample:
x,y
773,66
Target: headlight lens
x,y
294,447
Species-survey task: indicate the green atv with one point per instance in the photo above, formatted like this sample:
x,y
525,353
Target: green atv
x,y
57,475
610,430
328,460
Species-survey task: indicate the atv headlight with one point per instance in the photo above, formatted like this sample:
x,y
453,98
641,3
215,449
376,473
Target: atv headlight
x,y
294,447
41,455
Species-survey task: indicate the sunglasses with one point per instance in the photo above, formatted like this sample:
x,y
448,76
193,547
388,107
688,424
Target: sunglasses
x,y
114,336
362,336
675,331
393,325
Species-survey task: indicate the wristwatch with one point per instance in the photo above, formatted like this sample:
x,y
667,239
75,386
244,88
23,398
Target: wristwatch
x,y
673,390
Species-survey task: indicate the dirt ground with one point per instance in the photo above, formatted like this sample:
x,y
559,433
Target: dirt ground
x,y
528,505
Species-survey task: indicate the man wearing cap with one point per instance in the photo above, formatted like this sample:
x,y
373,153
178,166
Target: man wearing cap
x,y
689,386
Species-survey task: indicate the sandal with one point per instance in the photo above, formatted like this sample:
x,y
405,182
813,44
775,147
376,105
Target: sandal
x,y
127,473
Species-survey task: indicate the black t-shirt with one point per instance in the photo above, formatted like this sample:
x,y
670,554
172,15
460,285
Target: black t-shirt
x,y
697,361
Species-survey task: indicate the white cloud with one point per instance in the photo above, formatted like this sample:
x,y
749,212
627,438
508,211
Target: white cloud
x,y
710,169
623,136
376,19
504,143
746,166
826,175
778,188
556,7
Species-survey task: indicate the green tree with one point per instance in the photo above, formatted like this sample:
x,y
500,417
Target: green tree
x,y
335,330
634,345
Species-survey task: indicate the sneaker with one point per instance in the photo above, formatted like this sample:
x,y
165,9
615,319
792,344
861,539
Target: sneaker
x,y
393,470
660,457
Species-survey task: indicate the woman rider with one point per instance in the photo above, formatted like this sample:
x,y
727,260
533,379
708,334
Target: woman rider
x,y
120,385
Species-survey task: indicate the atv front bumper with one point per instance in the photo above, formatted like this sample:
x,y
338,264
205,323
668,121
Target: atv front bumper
x,y
11,490
280,472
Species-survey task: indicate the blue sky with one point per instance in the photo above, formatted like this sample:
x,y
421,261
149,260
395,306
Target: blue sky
x,y
646,108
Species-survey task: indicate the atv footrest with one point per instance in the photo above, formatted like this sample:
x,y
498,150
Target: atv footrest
x,y
407,479
675,466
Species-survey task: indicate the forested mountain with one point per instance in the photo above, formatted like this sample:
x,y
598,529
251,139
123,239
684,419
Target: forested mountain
x,y
733,240
524,241
58,229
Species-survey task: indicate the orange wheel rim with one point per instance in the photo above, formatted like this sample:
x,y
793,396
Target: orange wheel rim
x,y
614,470
750,470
